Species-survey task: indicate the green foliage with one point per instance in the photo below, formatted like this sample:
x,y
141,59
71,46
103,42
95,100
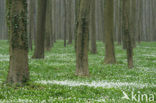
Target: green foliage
x,y
59,64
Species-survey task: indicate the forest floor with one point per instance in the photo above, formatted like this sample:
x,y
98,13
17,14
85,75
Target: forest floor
x,y
53,79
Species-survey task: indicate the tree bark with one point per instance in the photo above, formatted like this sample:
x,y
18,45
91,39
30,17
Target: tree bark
x,y
65,23
31,22
108,27
41,18
127,37
18,69
70,21
77,10
93,29
48,30
82,39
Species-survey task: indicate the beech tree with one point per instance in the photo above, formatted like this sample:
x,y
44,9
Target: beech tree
x,y
48,29
127,36
77,10
108,29
40,37
17,25
93,28
3,22
142,13
31,22
69,13
65,22
82,39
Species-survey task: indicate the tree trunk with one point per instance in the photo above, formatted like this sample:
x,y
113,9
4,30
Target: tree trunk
x,y
82,39
48,30
41,17
93,29
18,69
108,27
70,21
133,22
31,24
77,10
65,23
127,37
120,22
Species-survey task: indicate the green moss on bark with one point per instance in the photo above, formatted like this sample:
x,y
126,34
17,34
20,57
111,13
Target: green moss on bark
x,y
16,24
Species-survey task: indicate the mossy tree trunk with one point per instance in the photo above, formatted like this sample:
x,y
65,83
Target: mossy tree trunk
x,y
40,37
17,24
82,39
127,37
108,28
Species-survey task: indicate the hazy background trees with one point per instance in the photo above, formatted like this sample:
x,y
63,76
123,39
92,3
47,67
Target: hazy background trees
x,y
3,26
144,19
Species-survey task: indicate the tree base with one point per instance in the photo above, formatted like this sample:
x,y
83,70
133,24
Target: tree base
x,y
82,74
110,61
37,57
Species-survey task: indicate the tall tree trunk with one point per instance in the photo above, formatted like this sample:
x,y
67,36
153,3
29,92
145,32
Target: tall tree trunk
x,y
93,29
82,39
48,30
31,22
53,23
102,14
18,69
41,17
70,21
127,37
77,10
65,23
108,27
133,22
3,26
120,21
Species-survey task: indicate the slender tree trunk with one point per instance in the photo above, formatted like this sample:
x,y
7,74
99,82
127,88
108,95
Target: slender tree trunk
x,y
70,21
31,23
127,37
82,39
139,21
108,27
53,24
17,20
48,30
3,26
102,14
77,10
120,21
41,18
93,29
65,23
133,22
